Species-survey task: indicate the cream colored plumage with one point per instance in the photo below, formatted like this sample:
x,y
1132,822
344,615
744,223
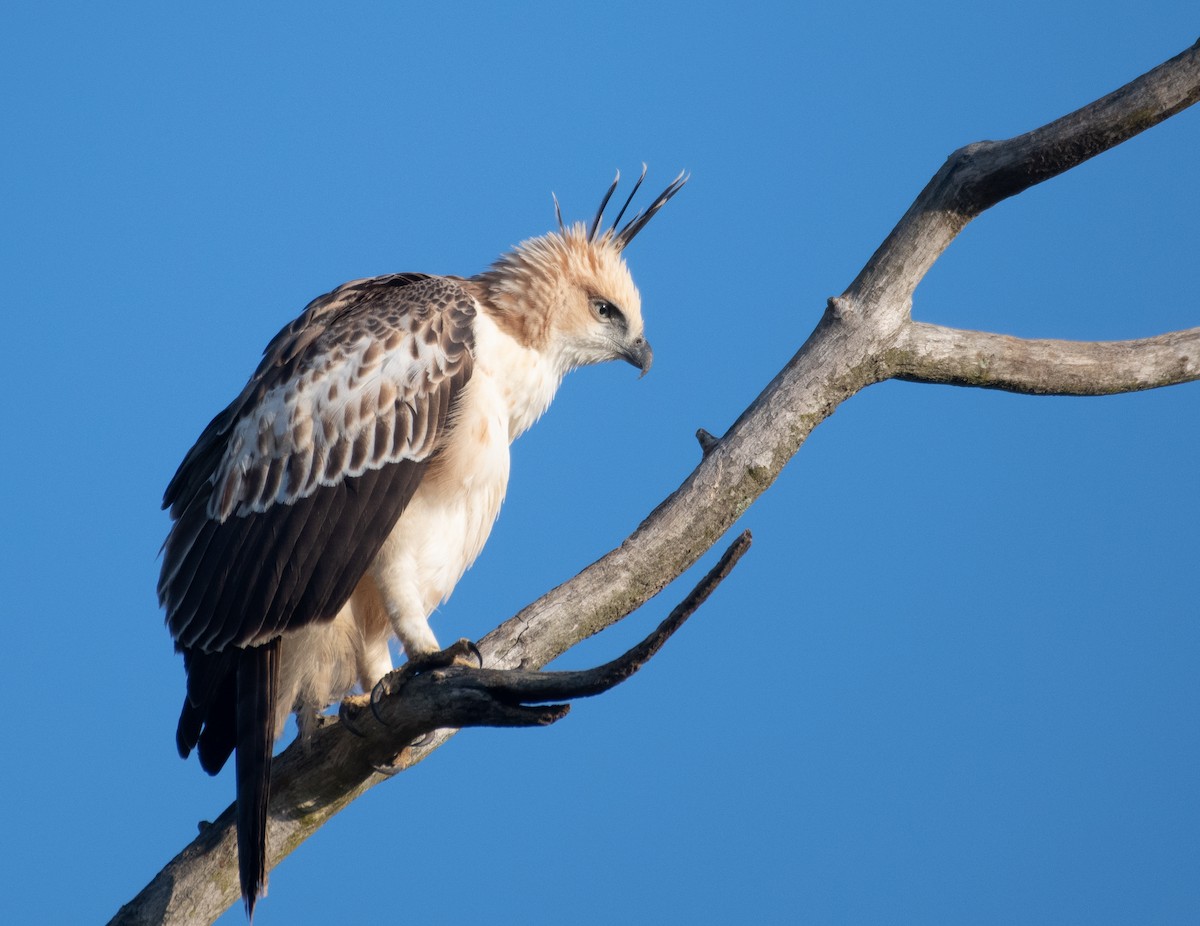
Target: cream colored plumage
x,y
339,499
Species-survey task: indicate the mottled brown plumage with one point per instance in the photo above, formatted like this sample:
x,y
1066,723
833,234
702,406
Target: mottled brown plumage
x,y
339,498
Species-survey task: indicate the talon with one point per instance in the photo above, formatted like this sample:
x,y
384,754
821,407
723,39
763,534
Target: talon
x,y
397,764
392,768
474,651
420,741
462,653
351,710
381,689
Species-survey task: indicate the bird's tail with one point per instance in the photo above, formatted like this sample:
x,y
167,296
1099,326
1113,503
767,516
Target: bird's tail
x,y
257,683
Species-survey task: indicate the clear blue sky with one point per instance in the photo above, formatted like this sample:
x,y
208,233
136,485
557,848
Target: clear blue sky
x,y
956,679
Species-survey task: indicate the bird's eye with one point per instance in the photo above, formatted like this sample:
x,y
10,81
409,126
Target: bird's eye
x,y
607,311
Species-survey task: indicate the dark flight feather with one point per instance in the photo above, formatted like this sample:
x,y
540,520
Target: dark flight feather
x,y
271,537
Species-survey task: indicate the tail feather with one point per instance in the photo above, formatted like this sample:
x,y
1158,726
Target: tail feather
x,y
257,683
208,719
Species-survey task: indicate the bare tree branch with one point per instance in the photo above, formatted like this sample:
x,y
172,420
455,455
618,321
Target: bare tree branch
x,y
312,781
846,352
865,336
935,354
978,176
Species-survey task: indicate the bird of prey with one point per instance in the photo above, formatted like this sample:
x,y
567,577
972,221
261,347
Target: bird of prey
x,y
341,496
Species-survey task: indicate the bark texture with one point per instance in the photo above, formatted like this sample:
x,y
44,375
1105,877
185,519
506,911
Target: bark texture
x,y
866,335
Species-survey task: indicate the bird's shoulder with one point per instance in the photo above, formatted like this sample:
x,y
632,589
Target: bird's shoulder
x,y
380,314
362,377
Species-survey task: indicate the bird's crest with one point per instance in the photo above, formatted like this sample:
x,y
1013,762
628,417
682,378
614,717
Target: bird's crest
x,y
547,281
620,239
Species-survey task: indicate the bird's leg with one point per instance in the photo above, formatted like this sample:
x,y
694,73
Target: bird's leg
x,y
308,721
461,653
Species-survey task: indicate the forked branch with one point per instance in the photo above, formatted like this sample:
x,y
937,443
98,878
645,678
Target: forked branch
x,y
865,336
312,781
934,354
977,176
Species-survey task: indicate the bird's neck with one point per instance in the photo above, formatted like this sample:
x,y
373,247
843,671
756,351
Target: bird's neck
x,y
527,378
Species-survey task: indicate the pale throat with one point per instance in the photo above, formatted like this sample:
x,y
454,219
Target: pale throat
x,y
527,379
529,389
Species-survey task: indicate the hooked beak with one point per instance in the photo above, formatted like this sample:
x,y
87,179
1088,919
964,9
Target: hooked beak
x,y
640,354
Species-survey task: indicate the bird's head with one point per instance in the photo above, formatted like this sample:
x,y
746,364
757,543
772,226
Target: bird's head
x,y
570,291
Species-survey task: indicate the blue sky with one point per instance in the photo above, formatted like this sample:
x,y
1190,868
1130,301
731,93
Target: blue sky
x,y
955,678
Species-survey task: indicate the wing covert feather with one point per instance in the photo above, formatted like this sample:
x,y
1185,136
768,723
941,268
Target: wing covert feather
x,y
287,496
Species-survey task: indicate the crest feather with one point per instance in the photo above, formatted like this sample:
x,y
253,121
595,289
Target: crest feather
x,y
620,239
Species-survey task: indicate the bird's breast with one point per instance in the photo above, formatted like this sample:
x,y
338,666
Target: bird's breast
x,y
446,524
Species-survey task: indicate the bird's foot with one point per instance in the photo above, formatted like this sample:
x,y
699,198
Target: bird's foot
x,y
350,713
462,653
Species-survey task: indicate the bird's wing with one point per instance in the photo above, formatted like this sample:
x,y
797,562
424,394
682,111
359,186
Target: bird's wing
x,y
289,493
